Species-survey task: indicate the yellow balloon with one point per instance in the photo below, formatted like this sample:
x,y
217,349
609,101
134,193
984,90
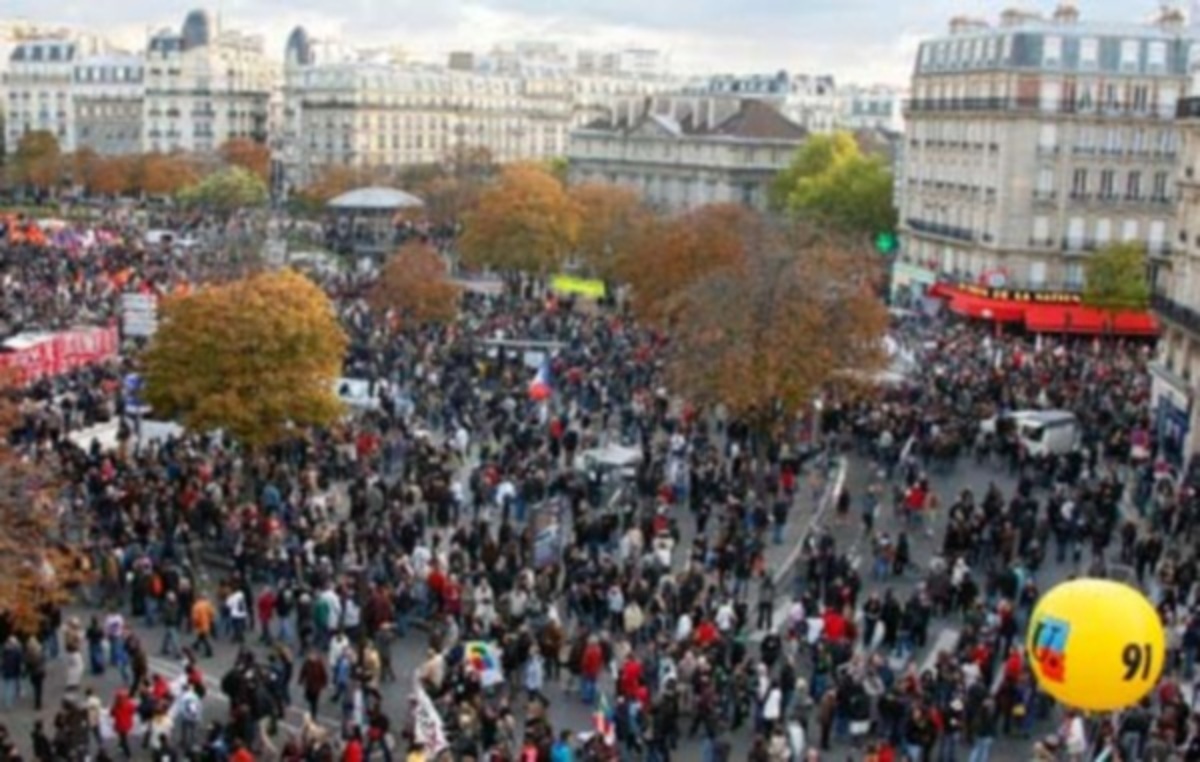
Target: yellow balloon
x,y
1095,644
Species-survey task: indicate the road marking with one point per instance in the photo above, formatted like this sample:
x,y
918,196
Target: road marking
x,y
946,640
832,489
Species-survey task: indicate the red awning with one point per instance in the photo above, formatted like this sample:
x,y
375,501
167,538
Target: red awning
x,y
1053,318
969,305
1043,317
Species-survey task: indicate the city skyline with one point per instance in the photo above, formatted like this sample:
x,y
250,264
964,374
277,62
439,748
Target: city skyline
x,y
856,40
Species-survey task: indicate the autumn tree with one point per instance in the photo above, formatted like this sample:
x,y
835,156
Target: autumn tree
x,y
763,338
470,163
1115,278
447,198
673,254
226,191
613,221
525,222
82,164
831,182
329,182
251,357
415,287
37,567
250,155
161,174
111,176
38,162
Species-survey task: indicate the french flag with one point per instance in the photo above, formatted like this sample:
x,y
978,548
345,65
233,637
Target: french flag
x,y
539,388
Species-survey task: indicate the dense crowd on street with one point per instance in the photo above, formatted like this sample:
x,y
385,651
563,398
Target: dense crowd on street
x,y
455,510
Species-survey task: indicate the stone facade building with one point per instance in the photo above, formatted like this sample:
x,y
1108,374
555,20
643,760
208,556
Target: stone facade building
x,y
680,152
1032,143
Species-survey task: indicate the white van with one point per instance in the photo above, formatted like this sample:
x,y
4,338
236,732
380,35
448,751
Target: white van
x,y
1040,432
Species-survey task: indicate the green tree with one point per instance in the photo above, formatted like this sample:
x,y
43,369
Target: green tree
x,y
251,357
557,166
831,182
38,162
1115,278
226,191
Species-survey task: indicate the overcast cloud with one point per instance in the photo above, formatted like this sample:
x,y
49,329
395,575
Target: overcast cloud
x,y
860,40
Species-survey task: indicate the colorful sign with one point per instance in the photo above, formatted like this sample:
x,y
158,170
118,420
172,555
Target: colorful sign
x,y
570,284
1021,295
484,659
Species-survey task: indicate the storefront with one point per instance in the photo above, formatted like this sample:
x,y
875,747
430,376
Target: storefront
x,y
909,283
1042,311
1171,404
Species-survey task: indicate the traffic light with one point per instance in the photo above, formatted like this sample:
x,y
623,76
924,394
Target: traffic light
x,y
886,243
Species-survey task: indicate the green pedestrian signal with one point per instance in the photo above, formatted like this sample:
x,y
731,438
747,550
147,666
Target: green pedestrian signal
x,y
885,243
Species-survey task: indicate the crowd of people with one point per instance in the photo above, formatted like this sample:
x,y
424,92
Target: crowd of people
x,y
453,509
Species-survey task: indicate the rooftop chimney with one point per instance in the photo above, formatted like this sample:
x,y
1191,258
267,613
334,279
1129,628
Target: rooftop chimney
x,y
1170,19
1066,14
1015,17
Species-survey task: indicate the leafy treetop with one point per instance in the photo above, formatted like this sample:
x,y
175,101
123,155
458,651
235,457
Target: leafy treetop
x,y
252,357
1115,278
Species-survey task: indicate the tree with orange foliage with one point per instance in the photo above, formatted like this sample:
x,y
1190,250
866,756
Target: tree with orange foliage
x,y
161,174
415,285
330,181
525,222
764,337
673,254
38,161
250,155
37,566
110,176
252,357
82,163
448,198
613,221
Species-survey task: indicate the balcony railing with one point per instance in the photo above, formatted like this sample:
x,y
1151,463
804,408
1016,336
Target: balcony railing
x,y
937,229
1176,312
1136,109
1188,108
1078,245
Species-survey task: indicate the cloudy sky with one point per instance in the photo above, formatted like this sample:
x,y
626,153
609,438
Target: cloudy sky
x,y
861,40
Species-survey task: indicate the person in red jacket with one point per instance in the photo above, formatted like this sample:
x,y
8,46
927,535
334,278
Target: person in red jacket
x,y
354,747
835,625
241,753
590,664
706,634
266,609
123,711
631,676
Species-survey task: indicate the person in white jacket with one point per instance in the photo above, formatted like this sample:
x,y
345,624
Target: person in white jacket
x,y
188,713
772,708
1075,737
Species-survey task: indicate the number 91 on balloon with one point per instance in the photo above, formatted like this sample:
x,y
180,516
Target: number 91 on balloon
x,y
1095,645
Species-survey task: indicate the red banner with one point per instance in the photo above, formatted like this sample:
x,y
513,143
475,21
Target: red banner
x,y
34,356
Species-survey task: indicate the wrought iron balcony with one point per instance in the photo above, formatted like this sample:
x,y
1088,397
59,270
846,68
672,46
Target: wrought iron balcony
x,y
937,229
1188,108
1176,312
